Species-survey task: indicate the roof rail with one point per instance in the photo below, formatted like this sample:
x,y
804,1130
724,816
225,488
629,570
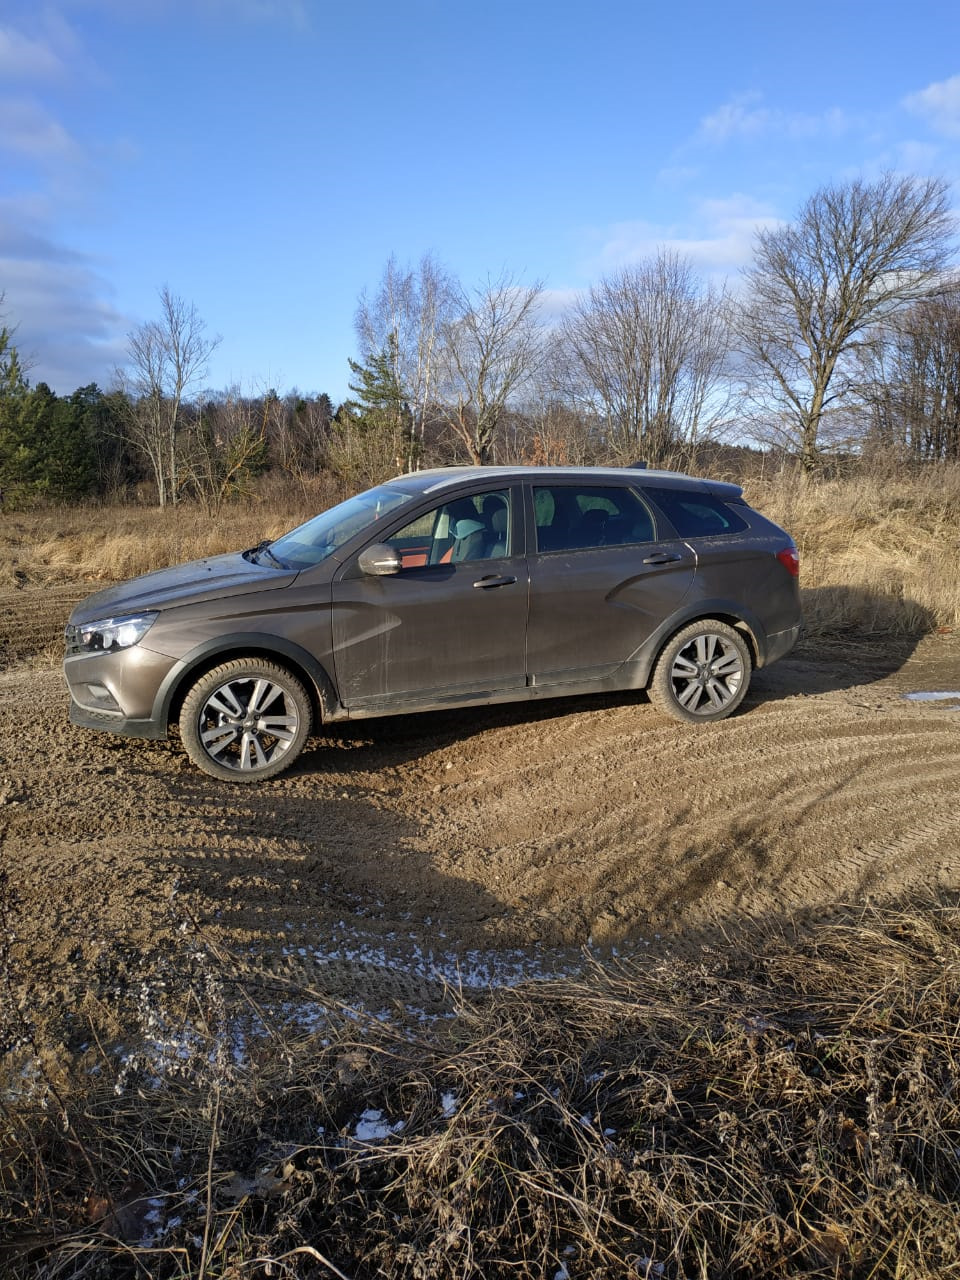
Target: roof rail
x,y
636,466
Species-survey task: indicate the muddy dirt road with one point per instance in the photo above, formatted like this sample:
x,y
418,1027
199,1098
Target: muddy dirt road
x,y
474,846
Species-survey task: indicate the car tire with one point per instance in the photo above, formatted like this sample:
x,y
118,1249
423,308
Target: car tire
x,y
245,720
702,673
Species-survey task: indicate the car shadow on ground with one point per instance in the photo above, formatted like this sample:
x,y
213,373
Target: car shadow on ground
x,y
847,642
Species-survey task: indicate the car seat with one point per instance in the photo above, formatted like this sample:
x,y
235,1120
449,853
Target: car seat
x,y
471,539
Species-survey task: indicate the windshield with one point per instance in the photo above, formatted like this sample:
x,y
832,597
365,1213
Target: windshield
x,y
320,537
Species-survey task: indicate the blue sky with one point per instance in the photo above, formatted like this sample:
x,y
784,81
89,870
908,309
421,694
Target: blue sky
x,y
264,158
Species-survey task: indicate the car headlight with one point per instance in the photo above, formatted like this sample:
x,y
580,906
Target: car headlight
x,y
109,633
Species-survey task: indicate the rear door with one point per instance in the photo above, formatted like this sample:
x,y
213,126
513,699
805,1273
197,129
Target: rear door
x,y
603,577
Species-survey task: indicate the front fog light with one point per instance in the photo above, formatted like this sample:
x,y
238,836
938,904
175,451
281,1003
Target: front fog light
x,y
99,695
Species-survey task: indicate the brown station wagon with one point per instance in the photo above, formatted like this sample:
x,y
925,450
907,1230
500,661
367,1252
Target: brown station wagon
x,y
449,588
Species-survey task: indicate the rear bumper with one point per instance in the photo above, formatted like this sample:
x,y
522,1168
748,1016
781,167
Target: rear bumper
x,y
780,643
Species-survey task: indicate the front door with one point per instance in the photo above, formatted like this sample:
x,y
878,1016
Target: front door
x,y
450,624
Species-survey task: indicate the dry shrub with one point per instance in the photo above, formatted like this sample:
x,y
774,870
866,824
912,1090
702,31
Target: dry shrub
x,y
878,552
782,1105
108,544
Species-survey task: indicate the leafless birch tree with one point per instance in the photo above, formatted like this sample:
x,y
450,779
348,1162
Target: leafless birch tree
x,y
166,360
491,348
857,251
646,351
406,316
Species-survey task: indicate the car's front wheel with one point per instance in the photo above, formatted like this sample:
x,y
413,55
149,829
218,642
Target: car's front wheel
x,y
245,720
702,673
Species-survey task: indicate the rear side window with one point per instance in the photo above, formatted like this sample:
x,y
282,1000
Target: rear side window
x,y
581,518
697,515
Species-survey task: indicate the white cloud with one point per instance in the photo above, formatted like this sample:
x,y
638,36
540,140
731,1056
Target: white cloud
x,y
555,303
939,104
737,119
65,330
916,157
27,128
747,117
717,237
23,58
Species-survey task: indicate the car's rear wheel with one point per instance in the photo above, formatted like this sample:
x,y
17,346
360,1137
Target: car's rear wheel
x,y
245,720
702,673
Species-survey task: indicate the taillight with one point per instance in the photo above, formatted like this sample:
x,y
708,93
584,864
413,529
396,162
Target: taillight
x,y
790,560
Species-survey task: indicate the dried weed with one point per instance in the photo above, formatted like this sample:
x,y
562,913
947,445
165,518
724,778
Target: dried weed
x,y
878,551
783,1105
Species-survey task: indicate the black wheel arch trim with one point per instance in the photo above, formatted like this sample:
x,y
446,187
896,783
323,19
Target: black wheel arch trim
x,y
240,645
728,611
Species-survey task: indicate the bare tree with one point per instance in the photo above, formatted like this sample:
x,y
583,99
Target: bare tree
x,y
549,427
406,316
226,447
297,430
910,380
646,353
491,348
166,359
857,251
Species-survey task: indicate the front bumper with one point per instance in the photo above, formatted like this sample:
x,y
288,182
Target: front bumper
x,y
115,723
118,691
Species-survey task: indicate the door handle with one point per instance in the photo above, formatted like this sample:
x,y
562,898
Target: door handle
x,y
494,580
662,557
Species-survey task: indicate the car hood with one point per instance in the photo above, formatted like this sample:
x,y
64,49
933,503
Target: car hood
x,y
189,583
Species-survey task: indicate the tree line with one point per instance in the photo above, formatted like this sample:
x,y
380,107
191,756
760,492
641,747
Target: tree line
x,y
844,340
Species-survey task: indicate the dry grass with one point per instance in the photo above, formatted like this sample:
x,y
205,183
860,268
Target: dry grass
x,y
783,1105
878,553
108,544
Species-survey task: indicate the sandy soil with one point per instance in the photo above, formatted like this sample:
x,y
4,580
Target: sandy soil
x,y
477,846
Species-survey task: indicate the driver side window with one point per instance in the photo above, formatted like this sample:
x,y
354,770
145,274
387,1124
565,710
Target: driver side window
x,y
474,528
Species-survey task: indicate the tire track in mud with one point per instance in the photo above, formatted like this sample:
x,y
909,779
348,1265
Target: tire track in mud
x,y
795,806
477,846
33,618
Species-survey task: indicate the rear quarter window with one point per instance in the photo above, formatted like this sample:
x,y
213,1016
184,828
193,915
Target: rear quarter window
x,y
697,515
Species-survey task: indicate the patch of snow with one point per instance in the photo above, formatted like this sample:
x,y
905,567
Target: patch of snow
x,y
934,695
372,1127
153,1224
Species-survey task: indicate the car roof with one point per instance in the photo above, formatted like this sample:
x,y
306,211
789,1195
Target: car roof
x,y
437,479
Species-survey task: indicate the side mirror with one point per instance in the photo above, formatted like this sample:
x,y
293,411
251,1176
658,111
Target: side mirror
x,y
379,561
